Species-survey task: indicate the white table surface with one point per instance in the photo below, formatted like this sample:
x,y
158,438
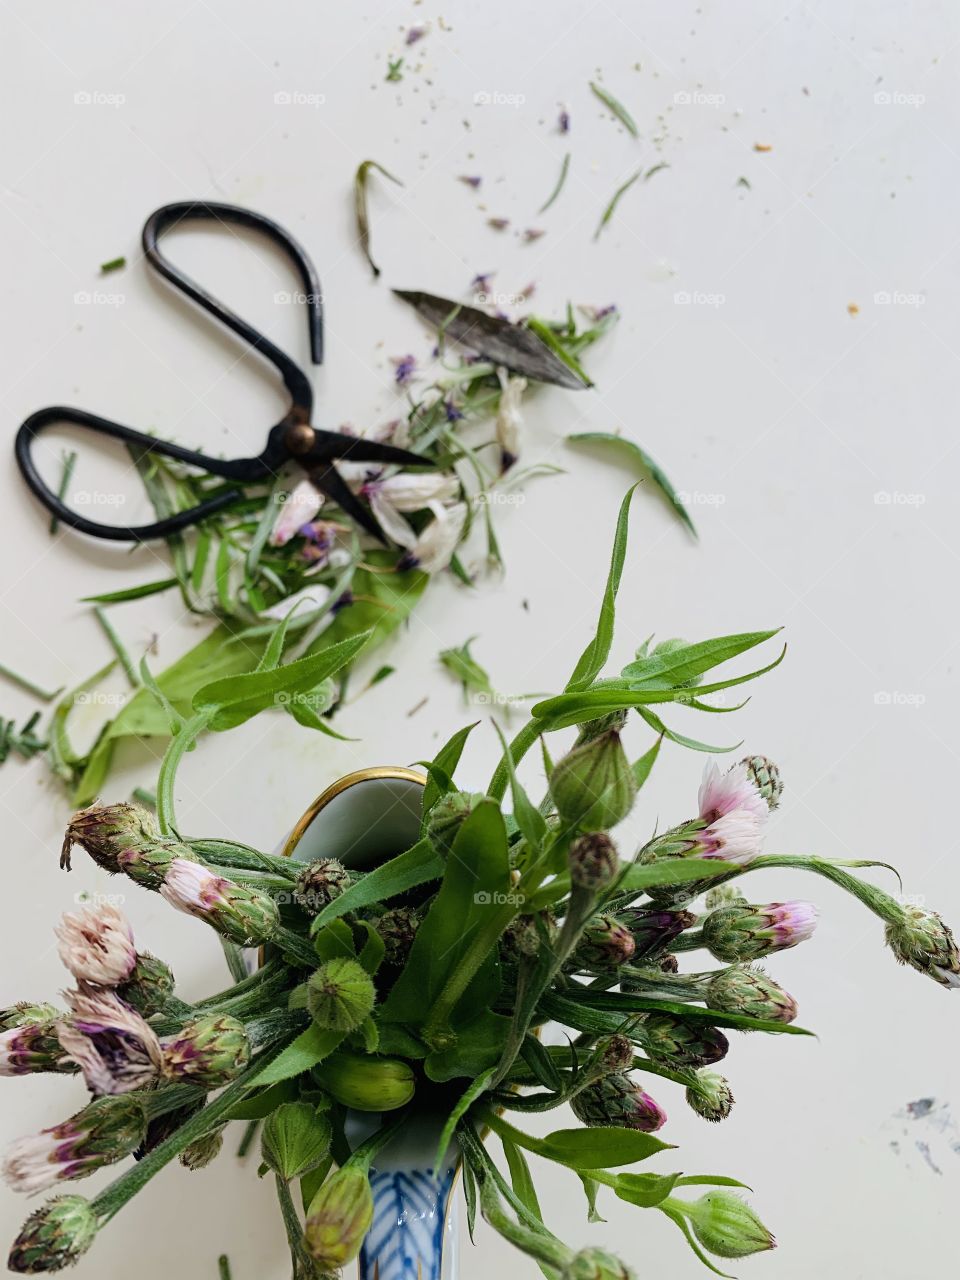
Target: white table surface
x,y
785,396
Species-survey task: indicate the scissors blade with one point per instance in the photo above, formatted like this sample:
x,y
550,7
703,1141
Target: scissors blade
x,y
334,444
500,341
328,480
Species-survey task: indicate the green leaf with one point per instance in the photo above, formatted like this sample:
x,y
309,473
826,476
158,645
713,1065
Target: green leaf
x,y
313,1181
657,725
616,107
615,199
464,667
597,651
295,1140
685,663
548,337
646,463
332,941
645,1189
131,593
525,1190
564,169
235,699
309,1048
623,1005
360,206
446,760
602,1147
261,1104
175,720
591,1189
639,876
475,1046
460,1109
675,1216
532,823
417,866
643,767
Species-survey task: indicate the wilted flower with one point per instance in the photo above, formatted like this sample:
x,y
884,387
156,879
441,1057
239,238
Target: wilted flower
x,y
726,1225
209,1051
319,883
653,931
593,861
616,1053
397,928
340,995
711,1097
245,916
407,492
149,986
563,121
111,1044
921,939
434,547
605,943
593,785
509,418
415,33
743,932
32,1046
470,180
338,1218
750,991
681,1042
54,1236
298,507
96,945
105,1131
616,1100
122,838
203,1151
404,367
520,940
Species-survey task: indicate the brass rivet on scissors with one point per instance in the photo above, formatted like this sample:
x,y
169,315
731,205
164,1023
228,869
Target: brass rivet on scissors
x,y
300,438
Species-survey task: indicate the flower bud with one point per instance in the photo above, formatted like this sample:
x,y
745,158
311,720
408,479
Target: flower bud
x,y
366,1082
114,1047
681,1042
726,1226
123,838
149,986
921,939
245,916
203,1151
24,1013
592,729
447,817
616,1100
593,785
30,1047
319,883
742,932
209,1051
711,1097
96,945
606,943
340,995
616,1053
54,1236
593,861
105,1131
338,1218
765,776
596,1264
653,931
750,991
397,928
723,895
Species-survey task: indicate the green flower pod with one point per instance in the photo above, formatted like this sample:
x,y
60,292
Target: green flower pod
x,y
54,1236
338,1218
340,995
366,1082
726,1226
593,785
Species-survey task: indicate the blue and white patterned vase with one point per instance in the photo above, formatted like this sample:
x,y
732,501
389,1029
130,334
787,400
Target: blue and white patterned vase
x,y
364,819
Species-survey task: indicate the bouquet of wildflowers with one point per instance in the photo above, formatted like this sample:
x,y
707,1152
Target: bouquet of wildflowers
x,y
430,978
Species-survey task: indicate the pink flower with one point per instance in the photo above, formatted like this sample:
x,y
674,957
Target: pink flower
x,y
790,923
735,813
96,945
193,888
111,1044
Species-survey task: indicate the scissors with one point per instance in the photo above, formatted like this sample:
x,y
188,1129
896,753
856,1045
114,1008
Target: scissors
x,y
292,439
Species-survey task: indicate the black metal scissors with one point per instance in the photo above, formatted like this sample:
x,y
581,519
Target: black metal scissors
x,y
292,439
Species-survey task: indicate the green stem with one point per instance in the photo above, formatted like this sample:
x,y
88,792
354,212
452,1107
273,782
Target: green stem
x,y
525,739
45,695
116,644
242,857
365,1154
223,1267
303,1267
246,1142
876,900
476,952
69,462
180,744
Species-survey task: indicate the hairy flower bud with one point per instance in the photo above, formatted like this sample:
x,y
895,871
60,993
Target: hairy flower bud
x,y
203,1151
30,1047
245,916
149,986
447,817
114,1047
711,1097
24,1013
596,1264
593,785
921,939
340,995
591,729
123,838
726,1226
54,1236
105,1131
765,776
616,1053
750,991
319,883
209,1051
593,861
606,943
365,1082
653,931
338,1218
743,932
616,1100
681,1042
397,928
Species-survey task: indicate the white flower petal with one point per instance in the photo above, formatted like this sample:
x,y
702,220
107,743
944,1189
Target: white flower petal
x,y
299,506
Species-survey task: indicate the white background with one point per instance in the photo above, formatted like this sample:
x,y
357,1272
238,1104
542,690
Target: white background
x,y
782,412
